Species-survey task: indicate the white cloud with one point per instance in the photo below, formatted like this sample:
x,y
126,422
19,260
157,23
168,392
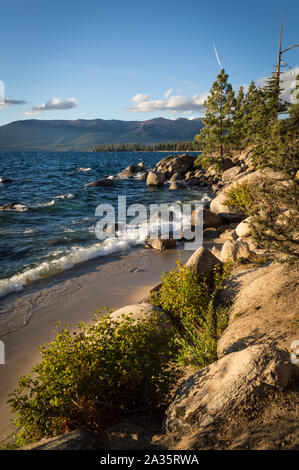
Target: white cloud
x,y
8,102
53,104
139,98
173,103
168,93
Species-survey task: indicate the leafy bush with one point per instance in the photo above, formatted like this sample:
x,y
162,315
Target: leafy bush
x,y
242,196
189,299
94,375
182,294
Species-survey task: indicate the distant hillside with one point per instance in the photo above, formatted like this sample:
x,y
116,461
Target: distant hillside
x,y
35,134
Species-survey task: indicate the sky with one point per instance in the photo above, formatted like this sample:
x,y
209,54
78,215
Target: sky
x,y
134,60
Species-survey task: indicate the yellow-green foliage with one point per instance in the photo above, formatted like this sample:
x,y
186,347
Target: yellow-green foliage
x,y
92,376
242,197
189,299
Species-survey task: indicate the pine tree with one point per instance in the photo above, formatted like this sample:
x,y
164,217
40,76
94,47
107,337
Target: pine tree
x,y
215,136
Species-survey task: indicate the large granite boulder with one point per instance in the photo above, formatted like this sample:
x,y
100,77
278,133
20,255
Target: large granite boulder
x,y
203,262
154,178
227,386
229,174
142,311
231,214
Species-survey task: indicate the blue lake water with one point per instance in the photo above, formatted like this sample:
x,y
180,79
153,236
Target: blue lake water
x,y
53,229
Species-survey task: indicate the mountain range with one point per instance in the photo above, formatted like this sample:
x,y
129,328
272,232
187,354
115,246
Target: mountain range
x,y
83,134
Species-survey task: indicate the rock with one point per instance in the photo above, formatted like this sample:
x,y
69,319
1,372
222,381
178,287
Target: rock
x,y
143,177
228,386
176,176
297,175
139,312
265,305
210,233
216,252
203,261
231,214
243,228
229,174
209,219
228,251
103,183
229,235
176,185
13,206
234,250
161,244
141,166
75,440
155,178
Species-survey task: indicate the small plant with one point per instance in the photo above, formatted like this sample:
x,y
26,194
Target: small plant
x,y
95,375
189,299
242,197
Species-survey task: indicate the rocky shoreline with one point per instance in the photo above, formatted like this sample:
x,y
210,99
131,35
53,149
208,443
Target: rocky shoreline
x,y
235,402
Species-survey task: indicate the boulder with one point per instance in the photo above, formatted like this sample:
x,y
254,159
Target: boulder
x,y
141,166
229,235
75,440
233,250
103,183
265,305
161,244
243,228
203,262
229,174
228,386
210,233
231,214
226,163
209,219
155,178
176,185
143,177
139,312
176,176
13,206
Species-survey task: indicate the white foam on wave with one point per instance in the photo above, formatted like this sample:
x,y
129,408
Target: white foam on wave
x,y
84,169
75,256
65,196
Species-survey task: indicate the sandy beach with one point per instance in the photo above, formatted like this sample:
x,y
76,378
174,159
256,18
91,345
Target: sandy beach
x,y
27,319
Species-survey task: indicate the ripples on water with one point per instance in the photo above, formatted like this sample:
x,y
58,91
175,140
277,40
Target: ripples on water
x,y
54,227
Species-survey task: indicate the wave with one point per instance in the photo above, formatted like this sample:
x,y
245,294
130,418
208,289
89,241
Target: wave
x,y
78,254
83,169
65,196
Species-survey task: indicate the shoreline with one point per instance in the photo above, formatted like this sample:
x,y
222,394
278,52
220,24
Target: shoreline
x,y
70,297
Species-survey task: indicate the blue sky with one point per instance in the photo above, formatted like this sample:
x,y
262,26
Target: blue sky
x,y
84,60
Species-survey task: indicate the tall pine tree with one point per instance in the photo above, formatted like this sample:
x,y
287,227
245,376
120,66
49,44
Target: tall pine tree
x,y
215,136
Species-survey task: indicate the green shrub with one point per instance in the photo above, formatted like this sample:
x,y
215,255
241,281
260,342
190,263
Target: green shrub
x,y
183,294
189,299
241,196
94,375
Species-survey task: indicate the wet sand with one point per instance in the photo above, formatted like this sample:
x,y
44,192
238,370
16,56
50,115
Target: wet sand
x,y
27,319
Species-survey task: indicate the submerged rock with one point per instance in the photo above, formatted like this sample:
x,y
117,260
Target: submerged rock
x,y
103,182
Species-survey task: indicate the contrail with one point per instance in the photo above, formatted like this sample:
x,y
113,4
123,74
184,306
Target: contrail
x,y
217,57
